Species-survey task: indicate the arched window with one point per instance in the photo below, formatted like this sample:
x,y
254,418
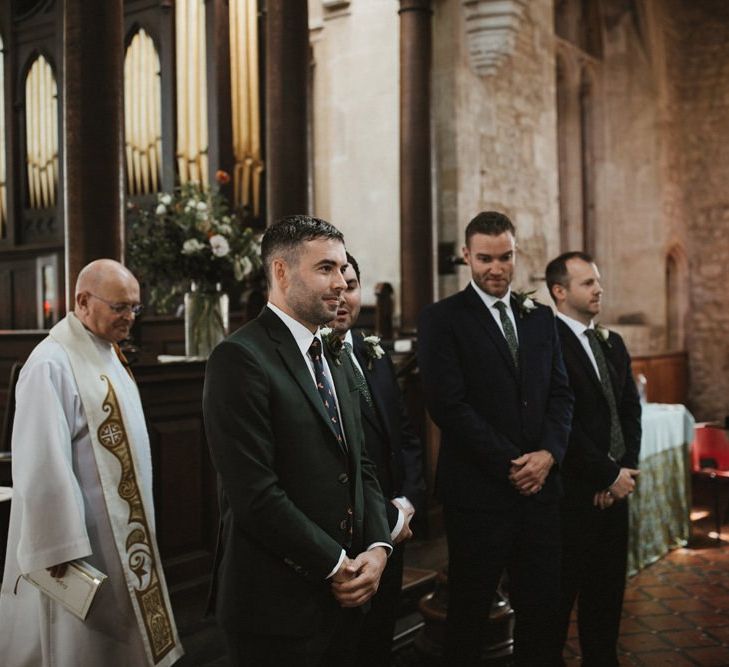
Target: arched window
x,y
192,112
41,134
3,163
142,115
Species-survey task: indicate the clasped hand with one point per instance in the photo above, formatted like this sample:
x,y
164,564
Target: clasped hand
x,y
621,488
529,471
356,581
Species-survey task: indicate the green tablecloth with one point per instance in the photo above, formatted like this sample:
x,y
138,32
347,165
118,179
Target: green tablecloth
x,y
660,506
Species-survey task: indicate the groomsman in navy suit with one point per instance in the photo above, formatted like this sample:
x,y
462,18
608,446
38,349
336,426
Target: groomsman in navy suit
x,y
397,453
496,386
600,467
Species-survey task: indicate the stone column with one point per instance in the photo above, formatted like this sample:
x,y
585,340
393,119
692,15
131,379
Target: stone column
x,y
287,71
93,133
416,224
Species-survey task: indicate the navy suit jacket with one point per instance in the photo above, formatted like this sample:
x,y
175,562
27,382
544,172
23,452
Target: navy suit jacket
x,y
587,467
488,412
389,437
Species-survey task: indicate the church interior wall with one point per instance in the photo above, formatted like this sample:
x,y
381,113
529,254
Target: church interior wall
x,y
355,132
699,69
496,138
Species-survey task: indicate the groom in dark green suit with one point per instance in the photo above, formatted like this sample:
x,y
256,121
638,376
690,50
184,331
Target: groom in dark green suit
x,y
304,535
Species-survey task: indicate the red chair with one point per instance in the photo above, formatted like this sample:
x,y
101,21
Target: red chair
x,y
710,461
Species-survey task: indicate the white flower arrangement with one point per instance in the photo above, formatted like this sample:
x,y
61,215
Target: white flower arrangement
x,y
190,235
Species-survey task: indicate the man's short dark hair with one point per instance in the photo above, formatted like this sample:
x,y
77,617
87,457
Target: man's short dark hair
x,y
556,272
285,236
353,262
491,223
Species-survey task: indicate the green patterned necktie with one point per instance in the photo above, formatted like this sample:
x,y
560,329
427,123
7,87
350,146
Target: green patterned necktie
x,y
358,377
617,443
509,332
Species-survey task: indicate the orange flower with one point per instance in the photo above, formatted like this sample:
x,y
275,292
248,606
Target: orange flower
x,y
222,177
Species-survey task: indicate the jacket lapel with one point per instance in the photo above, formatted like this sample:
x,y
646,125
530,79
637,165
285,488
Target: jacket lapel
x,y
346,392
576,350
294,361
376,416
480,311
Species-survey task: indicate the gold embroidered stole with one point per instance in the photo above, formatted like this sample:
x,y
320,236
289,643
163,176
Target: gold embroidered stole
x,y
128,513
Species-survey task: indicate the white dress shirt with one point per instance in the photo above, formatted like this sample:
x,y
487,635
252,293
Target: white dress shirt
x,y
490,303
579,330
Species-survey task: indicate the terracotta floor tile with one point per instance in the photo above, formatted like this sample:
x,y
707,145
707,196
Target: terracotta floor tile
x,y
662,592
712,655
642,642
634,593
661,658
647,607
703,619
667,622
631,625
685,578
720,632
688,604
684,638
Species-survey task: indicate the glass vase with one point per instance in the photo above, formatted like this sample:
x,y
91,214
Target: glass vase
x,y
206,319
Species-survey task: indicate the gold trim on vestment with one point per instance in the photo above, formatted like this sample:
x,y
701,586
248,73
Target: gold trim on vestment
x,y
140,553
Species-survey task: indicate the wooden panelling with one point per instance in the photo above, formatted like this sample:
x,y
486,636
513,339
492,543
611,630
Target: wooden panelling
x,y
666,375
184,480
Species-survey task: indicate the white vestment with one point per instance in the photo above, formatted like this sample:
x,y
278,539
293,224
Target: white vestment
x,y
59,514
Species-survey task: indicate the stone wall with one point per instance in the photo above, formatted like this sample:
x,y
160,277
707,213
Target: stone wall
x,y
700,68
355,140
495,138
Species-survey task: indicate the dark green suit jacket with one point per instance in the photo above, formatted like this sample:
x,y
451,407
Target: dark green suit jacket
x,y
291,496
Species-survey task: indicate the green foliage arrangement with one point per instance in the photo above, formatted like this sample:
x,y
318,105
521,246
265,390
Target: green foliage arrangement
x,y
190,235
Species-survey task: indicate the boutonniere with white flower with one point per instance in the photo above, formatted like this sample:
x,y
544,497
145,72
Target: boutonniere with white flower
x,y
603,335
333,342
525,303
373,349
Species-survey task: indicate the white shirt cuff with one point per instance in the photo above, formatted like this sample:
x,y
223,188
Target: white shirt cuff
x,y
398,524
388,547
337,566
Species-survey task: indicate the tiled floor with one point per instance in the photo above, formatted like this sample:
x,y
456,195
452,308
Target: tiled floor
x,y
676,611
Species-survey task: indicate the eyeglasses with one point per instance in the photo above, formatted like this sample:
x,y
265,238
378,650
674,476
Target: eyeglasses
x,y
122,308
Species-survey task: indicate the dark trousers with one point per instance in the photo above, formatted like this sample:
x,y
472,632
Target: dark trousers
x,y
594,563
333,645
524,540
378,627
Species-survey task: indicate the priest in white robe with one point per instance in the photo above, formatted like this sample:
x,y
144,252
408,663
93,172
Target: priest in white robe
x,y
82,489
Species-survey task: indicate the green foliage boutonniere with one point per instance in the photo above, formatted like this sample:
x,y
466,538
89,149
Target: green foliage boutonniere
x,y
333,342
525,304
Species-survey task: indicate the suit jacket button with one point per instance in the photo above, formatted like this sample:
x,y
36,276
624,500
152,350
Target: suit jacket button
x,y
524,403
343,478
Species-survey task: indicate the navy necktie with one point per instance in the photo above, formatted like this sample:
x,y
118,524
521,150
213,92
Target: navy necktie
x,y
325,389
